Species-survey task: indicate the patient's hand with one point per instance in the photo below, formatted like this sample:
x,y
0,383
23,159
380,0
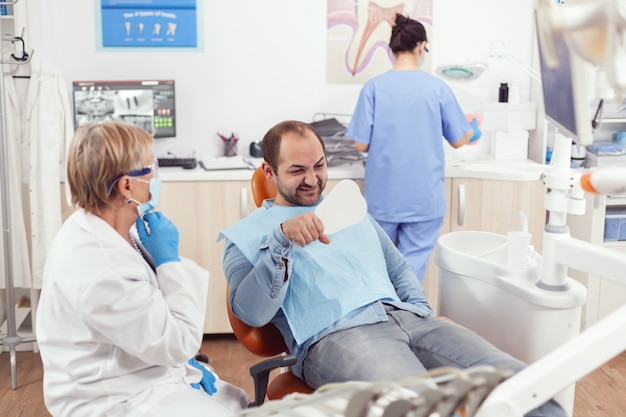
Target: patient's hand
x,y
304,229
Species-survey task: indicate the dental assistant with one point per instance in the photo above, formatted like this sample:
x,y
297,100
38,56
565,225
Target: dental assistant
x,y
120,313
400,119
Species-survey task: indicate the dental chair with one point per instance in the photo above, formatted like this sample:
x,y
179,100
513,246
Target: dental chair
x,y
266,341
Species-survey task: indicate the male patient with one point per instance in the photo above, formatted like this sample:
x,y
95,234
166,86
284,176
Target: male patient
x,y
348,305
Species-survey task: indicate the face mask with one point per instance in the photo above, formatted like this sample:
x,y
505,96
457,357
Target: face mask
x,y
155,191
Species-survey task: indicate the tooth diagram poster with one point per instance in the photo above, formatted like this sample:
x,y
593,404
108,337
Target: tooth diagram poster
x,y
149,23
358,34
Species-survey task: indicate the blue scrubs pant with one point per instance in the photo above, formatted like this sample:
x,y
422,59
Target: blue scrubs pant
x,y
415,241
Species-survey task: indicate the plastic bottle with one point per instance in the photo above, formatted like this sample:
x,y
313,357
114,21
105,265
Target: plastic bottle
x,y
514,97
503,93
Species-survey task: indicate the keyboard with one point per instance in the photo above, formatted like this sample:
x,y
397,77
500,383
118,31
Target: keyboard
x,y
224,163
185,163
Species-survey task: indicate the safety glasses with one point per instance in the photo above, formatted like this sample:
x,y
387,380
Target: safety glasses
x,y
153,167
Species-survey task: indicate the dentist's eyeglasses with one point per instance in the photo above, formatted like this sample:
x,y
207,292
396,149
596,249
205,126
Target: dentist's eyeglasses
x,y
153,167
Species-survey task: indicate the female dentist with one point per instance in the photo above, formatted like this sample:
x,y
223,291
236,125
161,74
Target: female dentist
x,y
120,314
400,119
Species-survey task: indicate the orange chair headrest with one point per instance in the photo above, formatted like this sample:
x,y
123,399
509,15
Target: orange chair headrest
x,y
262,188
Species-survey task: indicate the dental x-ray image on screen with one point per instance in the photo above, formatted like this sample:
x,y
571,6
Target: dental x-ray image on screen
x,y
149,105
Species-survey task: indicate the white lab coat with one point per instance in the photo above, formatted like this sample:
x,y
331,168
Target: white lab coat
x,y
114,337
39,125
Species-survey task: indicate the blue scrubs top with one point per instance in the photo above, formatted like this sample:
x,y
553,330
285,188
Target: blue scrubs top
x,y
403,116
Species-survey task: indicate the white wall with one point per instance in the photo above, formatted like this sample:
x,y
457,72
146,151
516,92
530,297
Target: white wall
x,y
467,31
264,61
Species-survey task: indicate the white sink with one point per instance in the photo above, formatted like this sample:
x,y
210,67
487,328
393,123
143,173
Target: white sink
x,y
504,305
482,254
481,257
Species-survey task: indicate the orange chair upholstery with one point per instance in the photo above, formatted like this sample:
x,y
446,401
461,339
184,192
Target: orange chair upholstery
x,y
266,341
261,187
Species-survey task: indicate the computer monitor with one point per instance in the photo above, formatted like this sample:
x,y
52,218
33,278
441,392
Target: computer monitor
x,y
149,104
565,83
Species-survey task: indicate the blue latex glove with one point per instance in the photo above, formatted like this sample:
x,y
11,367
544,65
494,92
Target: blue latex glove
x,y
208,379
477,132
162,240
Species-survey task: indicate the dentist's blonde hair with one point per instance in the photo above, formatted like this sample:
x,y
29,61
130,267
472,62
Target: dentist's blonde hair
x,y
99,154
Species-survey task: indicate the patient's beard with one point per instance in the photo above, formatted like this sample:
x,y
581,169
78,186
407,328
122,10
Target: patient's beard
x,y
294,196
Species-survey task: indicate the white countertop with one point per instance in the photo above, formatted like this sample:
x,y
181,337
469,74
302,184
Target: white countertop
x,y
352,170
508,170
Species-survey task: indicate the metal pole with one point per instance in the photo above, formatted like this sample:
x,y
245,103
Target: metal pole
x,y
12,339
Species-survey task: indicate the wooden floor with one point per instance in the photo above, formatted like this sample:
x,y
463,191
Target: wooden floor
x,y
600,394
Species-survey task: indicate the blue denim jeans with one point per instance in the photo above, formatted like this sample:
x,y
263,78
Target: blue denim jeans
x,y
405,346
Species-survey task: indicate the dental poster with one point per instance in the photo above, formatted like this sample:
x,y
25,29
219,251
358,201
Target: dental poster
x,y
149,23
358,33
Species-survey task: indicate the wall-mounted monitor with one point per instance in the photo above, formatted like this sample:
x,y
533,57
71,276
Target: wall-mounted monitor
x,y
149,104
566,86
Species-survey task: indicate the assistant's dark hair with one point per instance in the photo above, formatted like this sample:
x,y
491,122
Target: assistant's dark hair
x,y
270,146
406,34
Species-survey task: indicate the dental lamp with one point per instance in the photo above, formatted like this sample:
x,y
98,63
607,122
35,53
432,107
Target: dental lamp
x,y
585,352
474,69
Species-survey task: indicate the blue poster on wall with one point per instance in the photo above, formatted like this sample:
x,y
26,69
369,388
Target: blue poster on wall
x,y
149,23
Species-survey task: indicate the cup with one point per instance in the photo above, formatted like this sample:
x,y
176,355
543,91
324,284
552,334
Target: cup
x,y
230,148
518,244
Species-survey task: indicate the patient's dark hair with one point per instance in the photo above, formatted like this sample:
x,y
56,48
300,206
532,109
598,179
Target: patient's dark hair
x,y
406,34
270,146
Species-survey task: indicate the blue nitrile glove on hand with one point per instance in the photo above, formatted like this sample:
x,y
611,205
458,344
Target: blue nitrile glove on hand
x,y
208,379
477,132
162,241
